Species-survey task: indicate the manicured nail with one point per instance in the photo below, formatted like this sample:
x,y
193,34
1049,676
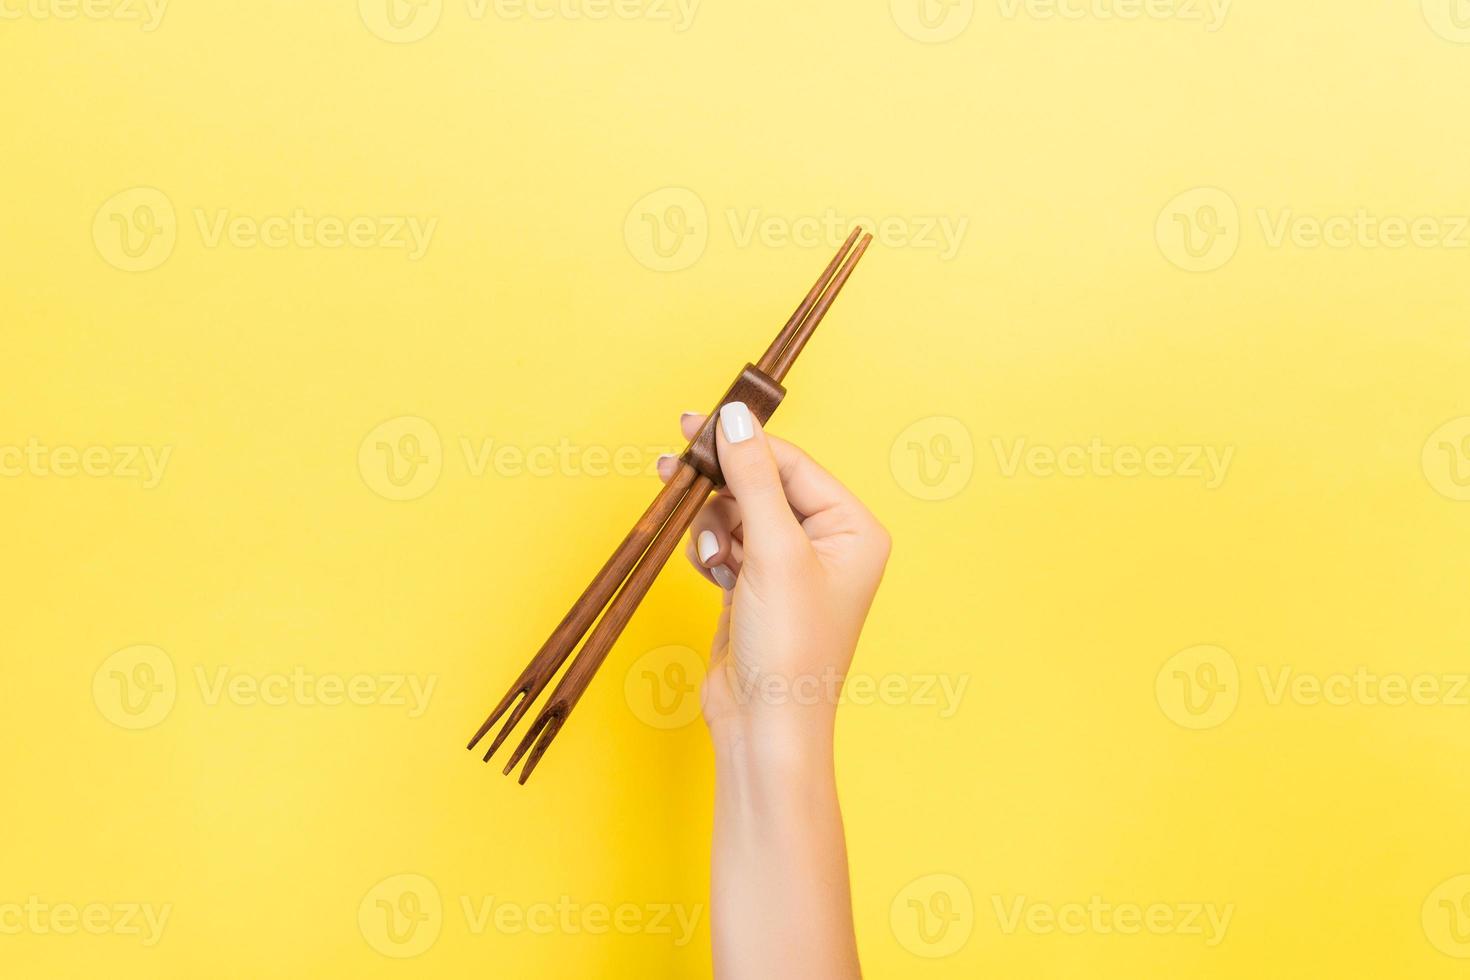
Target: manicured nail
x,y
685,415
736,421
708,545
666,464
724,576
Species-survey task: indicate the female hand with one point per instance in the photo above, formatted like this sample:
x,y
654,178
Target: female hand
x,y
798,558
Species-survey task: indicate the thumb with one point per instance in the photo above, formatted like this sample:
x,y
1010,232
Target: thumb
x,y
751,474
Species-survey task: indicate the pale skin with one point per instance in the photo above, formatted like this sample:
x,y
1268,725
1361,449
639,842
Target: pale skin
x,y
797,559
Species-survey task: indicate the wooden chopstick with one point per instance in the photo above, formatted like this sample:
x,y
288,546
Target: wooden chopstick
x,y
568,632
636,562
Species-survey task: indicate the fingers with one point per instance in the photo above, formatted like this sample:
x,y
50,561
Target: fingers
x,y
714,547
704,555
754,480
809,488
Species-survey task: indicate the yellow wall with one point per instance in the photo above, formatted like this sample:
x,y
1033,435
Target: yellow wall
x,y
1108,228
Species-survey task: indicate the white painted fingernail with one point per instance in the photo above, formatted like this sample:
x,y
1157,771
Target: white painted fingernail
x,y
724,576
708,545
736,421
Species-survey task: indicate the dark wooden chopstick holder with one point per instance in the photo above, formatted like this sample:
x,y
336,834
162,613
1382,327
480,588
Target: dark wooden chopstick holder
x,y
761,394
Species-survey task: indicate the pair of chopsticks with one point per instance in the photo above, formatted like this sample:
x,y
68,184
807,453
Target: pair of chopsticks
x,y
638,559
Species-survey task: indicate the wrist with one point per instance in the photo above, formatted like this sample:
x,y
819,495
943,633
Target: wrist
x,y
773,750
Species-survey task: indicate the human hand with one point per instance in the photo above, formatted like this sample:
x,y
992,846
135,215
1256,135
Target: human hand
x,y
798,559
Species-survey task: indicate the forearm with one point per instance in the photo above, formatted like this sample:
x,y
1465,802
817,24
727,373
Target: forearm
x,y
780,901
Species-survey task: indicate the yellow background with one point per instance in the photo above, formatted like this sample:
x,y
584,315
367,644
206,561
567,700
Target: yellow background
x,y
533,319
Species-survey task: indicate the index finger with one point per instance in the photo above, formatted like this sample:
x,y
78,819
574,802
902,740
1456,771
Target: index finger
x,y
809,488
